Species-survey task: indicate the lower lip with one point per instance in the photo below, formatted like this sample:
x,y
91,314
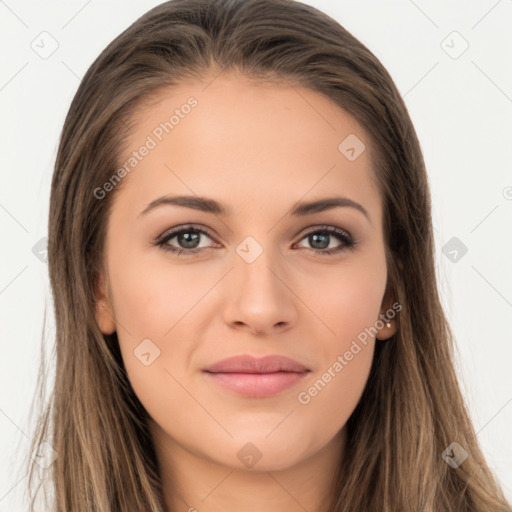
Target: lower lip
x,y
257,385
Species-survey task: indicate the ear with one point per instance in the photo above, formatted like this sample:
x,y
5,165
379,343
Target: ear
x,y
104,311
386,332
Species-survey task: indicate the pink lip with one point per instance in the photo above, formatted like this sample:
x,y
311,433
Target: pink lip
x,y
257,385
249,364
257,377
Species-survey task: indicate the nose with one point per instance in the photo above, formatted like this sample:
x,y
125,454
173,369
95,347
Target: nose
x,y
261,298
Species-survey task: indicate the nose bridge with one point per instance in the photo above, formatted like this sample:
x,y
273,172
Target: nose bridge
x,y
260,298
256,267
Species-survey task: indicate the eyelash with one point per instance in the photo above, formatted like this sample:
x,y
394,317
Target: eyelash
x,y
340,234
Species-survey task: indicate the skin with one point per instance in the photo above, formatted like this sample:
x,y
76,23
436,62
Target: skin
x,y
258,148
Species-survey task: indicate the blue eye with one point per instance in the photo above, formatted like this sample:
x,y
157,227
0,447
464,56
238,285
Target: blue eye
x,y
319,235
188,236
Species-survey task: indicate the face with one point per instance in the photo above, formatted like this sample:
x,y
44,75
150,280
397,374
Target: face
x,y
254,280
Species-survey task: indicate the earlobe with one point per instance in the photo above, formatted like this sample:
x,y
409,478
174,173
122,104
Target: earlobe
x,y
386,324
104,311
388,330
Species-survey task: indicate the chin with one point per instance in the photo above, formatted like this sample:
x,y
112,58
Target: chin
x,y
261,455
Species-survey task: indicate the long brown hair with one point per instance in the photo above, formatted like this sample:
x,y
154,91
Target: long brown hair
x,y
412,409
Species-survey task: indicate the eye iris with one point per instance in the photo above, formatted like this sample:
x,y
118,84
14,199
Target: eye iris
x,y
316,237
188,237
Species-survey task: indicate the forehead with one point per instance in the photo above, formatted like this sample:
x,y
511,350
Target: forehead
x,y
249,144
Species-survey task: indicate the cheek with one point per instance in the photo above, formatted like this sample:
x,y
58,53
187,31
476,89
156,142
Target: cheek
x,y
151,299
346,300
328,399
348,305
154,308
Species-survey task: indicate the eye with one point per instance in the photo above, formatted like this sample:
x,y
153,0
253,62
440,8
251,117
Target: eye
x,y
188,237
319,237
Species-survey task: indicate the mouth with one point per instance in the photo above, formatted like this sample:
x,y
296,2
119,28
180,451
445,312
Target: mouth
x,y
256,377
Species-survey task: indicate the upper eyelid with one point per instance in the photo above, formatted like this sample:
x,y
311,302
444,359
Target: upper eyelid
x,y
192,227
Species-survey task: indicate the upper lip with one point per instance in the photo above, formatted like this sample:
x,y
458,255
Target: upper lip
x,y
249,364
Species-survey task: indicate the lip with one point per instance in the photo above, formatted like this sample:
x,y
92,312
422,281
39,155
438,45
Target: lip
x,y
250,364
257,377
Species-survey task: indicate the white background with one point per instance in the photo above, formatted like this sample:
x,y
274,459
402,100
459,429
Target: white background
x,y
462,111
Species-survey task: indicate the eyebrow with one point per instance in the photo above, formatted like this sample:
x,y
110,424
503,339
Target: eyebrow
x,y
300,209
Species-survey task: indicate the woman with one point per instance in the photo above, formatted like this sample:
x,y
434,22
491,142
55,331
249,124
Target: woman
x,y
242,264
